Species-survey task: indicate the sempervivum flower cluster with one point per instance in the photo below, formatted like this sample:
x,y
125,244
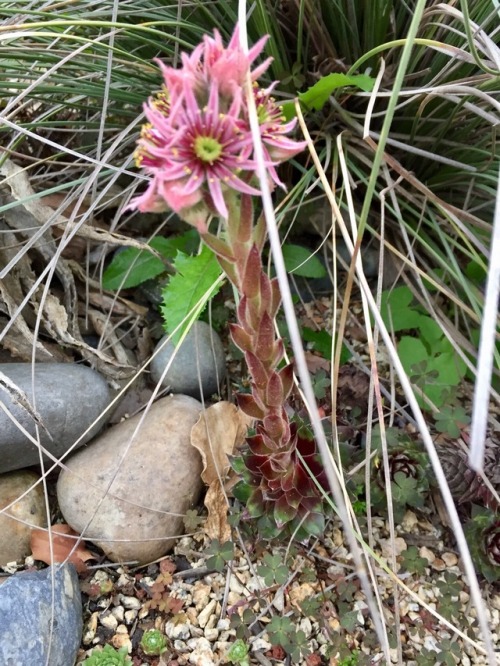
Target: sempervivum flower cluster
x,y
197,144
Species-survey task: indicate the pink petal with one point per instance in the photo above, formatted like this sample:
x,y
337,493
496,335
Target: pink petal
x,y
175,196
149,201
217,197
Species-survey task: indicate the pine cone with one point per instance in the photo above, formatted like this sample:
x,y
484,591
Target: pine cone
x,y
464,483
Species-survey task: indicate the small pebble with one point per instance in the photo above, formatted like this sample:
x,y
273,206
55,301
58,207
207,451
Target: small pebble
x,y
201,595
211,634
130,616
409,522
177,631
279,600
205,614
427,554
119,613
131,603
450,559
120,640
237,587
108,620
438,564
201,652
261,645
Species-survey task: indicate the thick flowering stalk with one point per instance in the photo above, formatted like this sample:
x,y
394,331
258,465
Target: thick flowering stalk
x,y
197,147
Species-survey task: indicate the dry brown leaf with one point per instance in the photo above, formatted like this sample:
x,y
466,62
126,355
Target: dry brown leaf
x,y
63,542
219,430
216,525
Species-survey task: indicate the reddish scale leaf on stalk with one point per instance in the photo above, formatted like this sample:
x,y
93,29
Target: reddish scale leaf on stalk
x,y
230,271
257,370
286,376
266,294
248,404
240,251
276,427
241,338
276,298
218,247
264,344
242,211
274,391
259,234
259,445
250,284
279,352
242,315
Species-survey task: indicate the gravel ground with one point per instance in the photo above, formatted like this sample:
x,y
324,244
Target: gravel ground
x,y
321,597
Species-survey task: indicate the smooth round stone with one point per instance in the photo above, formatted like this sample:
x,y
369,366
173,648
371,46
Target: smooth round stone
x,y
129,489
68,399
27,605
199,360
25,513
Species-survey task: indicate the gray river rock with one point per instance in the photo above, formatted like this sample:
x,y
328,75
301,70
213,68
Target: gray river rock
x,y
200,360
68,399
26,618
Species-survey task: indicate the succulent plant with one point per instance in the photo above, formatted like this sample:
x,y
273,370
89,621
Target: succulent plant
x,y
483,537
408,467
108,656
153,642
276,486
203,167
238,653
464,483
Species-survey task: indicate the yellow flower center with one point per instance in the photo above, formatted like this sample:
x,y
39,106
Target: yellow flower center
x,y
207,149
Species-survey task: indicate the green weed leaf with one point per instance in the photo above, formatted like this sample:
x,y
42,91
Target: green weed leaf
x,y
301,261
451,420
273,570
321,382
412,562
315,97
193,285
405,490
279,630
131,267
220,553
396,311
322,343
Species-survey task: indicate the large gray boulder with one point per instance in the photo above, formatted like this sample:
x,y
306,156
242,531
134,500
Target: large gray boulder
x,y
36,627
69,399
128,490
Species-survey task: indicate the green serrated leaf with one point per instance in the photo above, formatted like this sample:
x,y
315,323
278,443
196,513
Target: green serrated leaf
x,y
196,281
301,261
